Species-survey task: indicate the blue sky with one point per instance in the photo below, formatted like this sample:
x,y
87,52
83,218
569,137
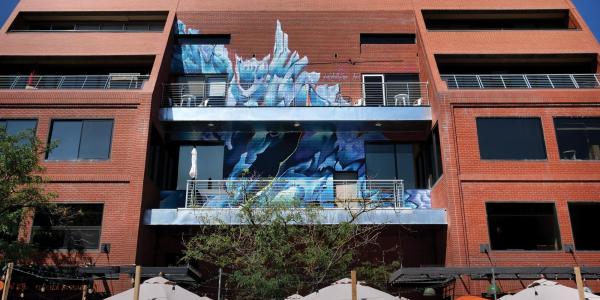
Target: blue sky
x,y
590,9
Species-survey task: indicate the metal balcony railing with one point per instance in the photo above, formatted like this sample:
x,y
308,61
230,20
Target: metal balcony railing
x,y
291,94
308,192
523,81
126,81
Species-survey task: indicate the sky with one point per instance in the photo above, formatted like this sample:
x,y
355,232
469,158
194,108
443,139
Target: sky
x,y
589,9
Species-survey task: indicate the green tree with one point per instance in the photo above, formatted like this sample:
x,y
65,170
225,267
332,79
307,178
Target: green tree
x,y
21,191
283,248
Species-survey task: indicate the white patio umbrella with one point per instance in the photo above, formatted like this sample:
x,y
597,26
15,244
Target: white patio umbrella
x,y
342,290
158,288
194,168
294,297
548,290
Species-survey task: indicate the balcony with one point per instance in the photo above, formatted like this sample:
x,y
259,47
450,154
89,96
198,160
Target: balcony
x,y
379,201
336,102
121,81
522,81
296,95
366,194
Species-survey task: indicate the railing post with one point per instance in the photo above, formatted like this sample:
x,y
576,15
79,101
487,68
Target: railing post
x,y
526,81
456,82
426,102
479,81
14,82
62,79
502,79
550,80
107,81
187,194
84,82
574,81
597,80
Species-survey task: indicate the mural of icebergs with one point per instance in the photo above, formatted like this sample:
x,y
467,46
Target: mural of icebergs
x,y
278,79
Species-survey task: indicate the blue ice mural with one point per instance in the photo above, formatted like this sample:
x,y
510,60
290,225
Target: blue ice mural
x,y
280,79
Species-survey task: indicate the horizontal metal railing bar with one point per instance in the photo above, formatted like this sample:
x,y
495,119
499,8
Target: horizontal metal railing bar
x,y
343,94
522,81
325,193
113,81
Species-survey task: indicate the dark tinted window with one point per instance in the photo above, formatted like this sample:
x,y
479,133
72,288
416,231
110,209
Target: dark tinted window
x,y
203,39
14,127
523,226
497,19
387,38
80,230
510,138
81,139
578,138
95,139
584,225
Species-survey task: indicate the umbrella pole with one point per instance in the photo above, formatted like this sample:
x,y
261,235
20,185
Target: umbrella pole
x,y
219,290
353,276
579,282
136,287
9,270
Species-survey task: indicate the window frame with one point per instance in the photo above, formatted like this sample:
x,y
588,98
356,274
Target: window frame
x,y
110,144
554,122
569,203
556,225
60,227
543,139
6,120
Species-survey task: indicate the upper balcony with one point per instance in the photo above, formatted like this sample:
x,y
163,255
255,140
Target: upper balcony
x,y
74,73
123,21
352,101
519,71
496,19
522,81
127,81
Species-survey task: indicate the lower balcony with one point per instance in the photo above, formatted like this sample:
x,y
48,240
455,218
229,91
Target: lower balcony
x,y
209,202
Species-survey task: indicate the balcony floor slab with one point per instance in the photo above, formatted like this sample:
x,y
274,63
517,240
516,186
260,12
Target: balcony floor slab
x,y
297,114
217,216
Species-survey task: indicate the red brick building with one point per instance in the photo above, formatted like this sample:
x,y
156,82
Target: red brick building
x,y
475,124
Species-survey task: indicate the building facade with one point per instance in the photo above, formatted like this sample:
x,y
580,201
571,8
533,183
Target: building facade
x,y
475,125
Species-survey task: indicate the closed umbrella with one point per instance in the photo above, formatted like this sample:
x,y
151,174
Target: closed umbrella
x,y
158,288
548,290
342,290
194,168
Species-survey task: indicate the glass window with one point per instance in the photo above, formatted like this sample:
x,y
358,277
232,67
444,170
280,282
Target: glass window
x,y
88,26
391,161
578,138
40,26
80,230
209,164
81,139
510,138
14,127
203,39
137,27
95,139
387,38
63,26
584,225
523,226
